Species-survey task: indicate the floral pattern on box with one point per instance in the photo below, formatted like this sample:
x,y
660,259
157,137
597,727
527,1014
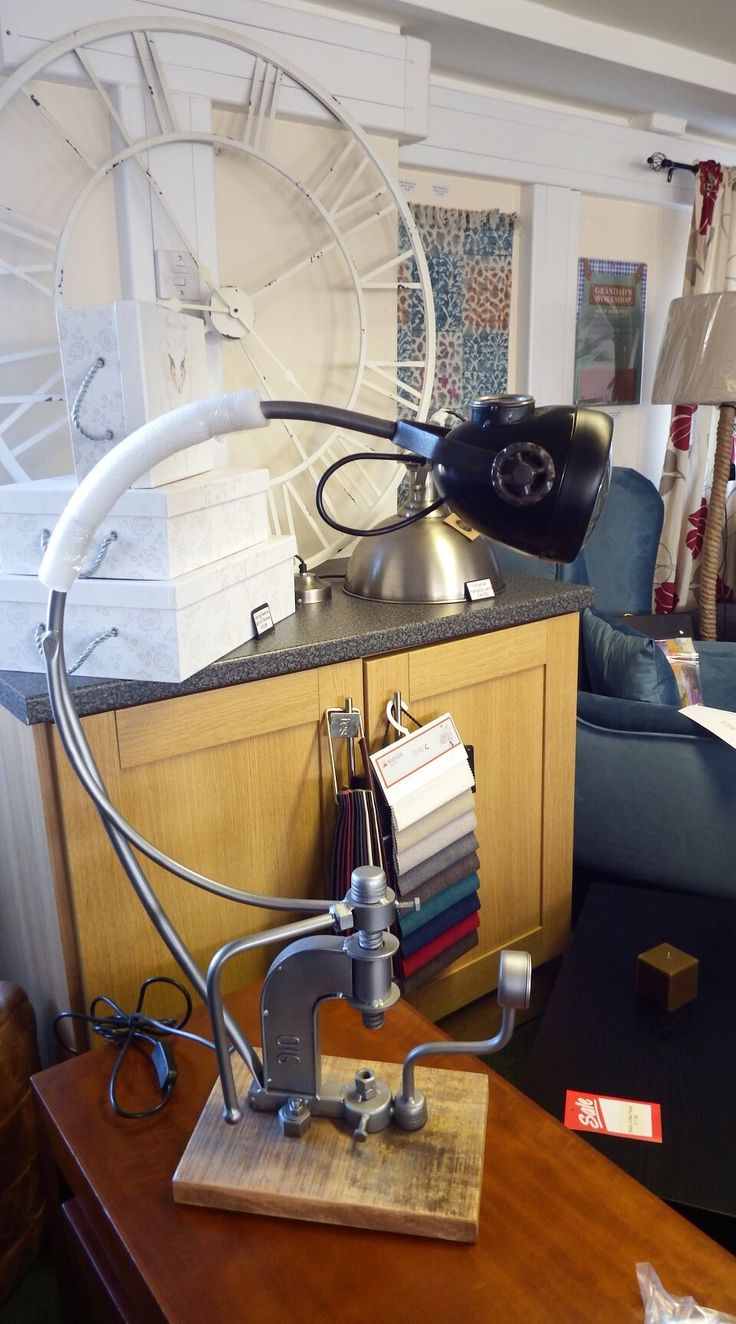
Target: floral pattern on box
x,y
469,256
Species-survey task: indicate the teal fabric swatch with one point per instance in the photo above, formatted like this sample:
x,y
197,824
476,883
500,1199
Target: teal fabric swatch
x,y
438,904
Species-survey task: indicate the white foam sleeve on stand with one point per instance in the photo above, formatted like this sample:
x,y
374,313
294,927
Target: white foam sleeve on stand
x,y
148,445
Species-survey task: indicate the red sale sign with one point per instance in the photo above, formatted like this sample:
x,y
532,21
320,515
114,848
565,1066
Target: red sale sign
x,y
606,1116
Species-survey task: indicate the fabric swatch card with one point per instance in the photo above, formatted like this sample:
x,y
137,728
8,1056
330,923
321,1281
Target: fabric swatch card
x,y
422,771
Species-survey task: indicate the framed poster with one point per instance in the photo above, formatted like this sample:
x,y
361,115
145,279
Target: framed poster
x,y
609,332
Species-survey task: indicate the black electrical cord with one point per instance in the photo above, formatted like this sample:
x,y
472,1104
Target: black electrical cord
x,y
126,1029
383,528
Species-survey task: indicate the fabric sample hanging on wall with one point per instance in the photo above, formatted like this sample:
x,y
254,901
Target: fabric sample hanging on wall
x,y
469,257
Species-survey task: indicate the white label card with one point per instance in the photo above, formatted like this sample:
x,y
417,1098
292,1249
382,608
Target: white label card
x,y
718,720
411,762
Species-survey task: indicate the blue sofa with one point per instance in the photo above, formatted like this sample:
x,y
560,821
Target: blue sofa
x,y
655,794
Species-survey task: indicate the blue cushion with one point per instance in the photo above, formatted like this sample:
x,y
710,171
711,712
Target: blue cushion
x,y
623,664
621,553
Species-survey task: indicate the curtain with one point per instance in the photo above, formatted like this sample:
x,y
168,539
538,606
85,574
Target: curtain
x,y
469,259
688,463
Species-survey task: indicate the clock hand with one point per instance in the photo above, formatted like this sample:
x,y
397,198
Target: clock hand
x,y
288,373
177,306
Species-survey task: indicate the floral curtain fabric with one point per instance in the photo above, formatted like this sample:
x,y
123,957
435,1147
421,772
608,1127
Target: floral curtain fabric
x,y
688,464
469,258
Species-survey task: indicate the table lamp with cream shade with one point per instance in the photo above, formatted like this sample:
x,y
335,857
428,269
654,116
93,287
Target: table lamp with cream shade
x,y
697,366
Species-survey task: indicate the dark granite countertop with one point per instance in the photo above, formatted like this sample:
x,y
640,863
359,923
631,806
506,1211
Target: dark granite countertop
x,y
317,635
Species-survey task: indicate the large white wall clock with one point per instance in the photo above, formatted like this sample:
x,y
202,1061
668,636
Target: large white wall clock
x,y
158,159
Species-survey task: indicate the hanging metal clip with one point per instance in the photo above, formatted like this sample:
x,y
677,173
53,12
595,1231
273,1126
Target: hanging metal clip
x,y
343,724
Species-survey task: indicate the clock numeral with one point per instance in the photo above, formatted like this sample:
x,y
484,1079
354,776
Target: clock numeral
x,y
337,447
391,386
368,279
158,89
262,105
46,393
21,228
285,523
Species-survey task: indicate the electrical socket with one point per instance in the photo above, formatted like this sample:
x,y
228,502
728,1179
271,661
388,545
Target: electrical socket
x,y
177,276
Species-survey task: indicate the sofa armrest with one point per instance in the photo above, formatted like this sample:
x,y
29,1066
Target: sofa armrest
x,y
654,805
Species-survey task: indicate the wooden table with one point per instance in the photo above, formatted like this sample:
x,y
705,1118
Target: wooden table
x,y
561,1227
598,1036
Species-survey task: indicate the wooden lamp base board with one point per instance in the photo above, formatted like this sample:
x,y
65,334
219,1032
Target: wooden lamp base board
x,y
426,1182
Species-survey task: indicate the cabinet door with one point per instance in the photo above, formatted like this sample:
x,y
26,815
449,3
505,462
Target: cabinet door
x,y
236,784
512,695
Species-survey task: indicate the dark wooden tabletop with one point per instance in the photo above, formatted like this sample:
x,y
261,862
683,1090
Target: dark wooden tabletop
x,y
561,1228
599,1036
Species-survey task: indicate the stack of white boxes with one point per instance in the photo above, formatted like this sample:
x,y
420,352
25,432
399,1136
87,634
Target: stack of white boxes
x,y
185,556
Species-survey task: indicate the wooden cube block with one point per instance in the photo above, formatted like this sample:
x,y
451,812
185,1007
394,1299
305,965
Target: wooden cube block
x,y
667,976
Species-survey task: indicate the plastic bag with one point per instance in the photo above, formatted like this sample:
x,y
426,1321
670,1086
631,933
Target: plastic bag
x,y
659,1306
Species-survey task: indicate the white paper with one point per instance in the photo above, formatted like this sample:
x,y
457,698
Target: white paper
x,y
625,1117
720,721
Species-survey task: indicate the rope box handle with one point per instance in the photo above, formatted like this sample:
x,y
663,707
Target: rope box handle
x,y
112,633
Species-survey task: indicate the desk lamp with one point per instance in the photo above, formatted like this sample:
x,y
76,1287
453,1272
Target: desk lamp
x,y
532,477
697,366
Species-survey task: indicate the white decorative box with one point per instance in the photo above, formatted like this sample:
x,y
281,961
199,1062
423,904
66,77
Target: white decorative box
x,y
159,533
164,629
154,361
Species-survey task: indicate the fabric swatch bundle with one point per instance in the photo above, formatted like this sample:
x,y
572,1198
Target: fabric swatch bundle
x,y
433,849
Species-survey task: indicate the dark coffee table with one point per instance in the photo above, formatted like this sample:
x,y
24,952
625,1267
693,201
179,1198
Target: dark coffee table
x,y
598,1036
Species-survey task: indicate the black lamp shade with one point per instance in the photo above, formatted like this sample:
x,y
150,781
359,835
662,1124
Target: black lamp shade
x,y
533,478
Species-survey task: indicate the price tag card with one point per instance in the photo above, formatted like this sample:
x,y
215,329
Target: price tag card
x,y
606,1116
477,589
417,759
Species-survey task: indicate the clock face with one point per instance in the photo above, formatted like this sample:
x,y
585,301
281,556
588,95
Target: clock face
x,y
180,164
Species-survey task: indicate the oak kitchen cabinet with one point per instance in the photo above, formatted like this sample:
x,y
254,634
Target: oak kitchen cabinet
x,y
235,781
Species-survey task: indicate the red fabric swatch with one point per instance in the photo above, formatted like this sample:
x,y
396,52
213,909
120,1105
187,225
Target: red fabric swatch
x,y
409,964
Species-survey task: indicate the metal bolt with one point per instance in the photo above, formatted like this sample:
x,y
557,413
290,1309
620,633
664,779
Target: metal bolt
x,y
365,1083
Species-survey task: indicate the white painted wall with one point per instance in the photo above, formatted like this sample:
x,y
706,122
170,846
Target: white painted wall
x,y
635,232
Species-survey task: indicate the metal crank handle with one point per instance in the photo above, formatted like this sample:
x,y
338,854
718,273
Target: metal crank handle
x,y
514,989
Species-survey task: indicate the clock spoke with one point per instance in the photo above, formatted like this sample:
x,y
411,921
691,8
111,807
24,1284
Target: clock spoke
x,y
318,253
21,228
61,130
